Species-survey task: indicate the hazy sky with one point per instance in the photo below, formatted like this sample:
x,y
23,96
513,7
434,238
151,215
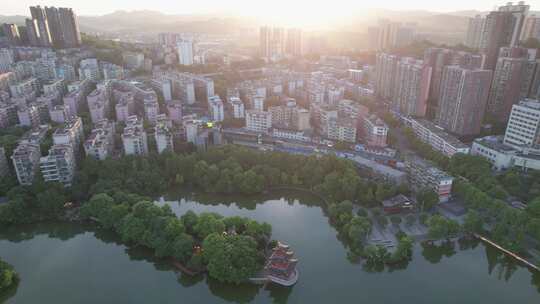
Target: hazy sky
x,y
298,8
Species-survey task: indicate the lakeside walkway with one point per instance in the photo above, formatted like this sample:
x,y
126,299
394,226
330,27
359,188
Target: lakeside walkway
x,y
508,252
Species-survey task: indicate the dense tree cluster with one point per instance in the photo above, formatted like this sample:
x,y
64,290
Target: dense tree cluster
x,y
232,248
228,169
8,276
440,228
39,202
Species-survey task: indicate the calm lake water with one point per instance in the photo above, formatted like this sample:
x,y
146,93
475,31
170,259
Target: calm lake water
x,y
66,263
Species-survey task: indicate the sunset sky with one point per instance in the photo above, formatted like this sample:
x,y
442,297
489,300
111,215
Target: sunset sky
x,y
293,8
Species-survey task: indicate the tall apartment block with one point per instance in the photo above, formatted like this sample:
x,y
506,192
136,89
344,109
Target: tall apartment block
x,y
388,35
385,71
294,45
531,28
438,59
502,28
463,98
272,42
512,80
43,32
411,87
474,31
12,34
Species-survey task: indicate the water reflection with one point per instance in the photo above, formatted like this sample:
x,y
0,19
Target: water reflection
x,y
497,266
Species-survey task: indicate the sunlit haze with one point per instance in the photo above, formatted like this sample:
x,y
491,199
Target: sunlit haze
x,y
298,12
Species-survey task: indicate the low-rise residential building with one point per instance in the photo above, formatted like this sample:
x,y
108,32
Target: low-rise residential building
x,y
342,129
59,165
134,138
290,134
28,116
258,121
71,133
375,131
237,107
59,114
422,175
26,161
175,112
164,138
437,138
100,143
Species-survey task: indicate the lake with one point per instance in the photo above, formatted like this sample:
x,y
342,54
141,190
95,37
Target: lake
x,y
71,263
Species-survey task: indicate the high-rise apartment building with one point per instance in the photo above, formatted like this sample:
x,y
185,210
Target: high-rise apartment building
x,y
463,97
531,28
11,31
411,87
512,80
185,52
294,45
32,32
385,71
502,28
388,35
438,59
272,42
474,31
38,13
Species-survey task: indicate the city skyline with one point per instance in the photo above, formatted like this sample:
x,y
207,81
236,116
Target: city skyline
x,y
248,8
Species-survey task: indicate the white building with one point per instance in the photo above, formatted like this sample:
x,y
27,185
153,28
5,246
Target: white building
x,y
437,138
237,107
26,161
89,69
216,108
134,138
151,111
28,116
100,143
257,102
59,165
523,128
258,121
59,114
164,138
185,52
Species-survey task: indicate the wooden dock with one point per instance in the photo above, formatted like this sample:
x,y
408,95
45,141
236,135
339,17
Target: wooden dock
x,y
508,252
